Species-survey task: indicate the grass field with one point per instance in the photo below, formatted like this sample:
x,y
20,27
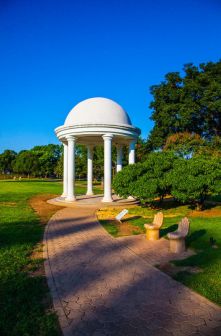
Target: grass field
x,y
203,226
25,307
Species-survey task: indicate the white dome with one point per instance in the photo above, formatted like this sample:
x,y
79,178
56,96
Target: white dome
x,y
101,111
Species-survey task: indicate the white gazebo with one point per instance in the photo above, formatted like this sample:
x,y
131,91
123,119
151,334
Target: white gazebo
x,y
92,122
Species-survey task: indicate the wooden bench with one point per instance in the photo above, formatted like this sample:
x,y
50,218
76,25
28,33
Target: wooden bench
x,y
177,238
153,230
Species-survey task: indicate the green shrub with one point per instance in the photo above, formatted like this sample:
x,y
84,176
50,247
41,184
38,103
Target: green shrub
x,y
194,179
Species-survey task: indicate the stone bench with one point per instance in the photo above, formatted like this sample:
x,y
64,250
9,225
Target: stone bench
x,y
153,230
177,238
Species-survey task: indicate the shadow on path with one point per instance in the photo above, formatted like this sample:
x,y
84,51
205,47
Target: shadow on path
x,y
100,287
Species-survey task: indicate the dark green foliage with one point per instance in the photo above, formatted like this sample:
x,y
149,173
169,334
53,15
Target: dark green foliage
x,y
39,161
6,161
124,180
194,179
155,182
189,103
184,144
26,163
146,180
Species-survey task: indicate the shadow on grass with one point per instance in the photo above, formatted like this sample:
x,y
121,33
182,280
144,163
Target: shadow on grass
x,y
165,231
166,204
131,219
194,236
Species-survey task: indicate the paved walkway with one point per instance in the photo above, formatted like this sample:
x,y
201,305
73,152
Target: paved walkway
x,y
101,287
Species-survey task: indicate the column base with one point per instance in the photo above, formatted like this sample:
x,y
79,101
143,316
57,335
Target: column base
x,y
63,195
107,199
89,193
70,199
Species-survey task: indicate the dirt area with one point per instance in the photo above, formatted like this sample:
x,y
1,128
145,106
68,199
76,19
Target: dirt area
x,y
44,211
125,228
214,212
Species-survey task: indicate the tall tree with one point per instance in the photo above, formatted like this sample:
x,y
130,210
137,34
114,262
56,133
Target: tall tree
x,y
6,161
189,103
48,157
27,163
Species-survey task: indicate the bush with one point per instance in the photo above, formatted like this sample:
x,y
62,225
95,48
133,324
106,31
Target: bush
x,y
146,180
193,179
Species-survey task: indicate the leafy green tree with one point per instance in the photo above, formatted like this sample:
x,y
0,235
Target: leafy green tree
x,y
147,180
48,157
189,103
58,169
27,163
6,161
81,161
194,179
184,144
142,150
123,181
211,147
155,183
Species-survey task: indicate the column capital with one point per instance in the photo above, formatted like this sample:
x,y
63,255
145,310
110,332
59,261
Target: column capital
x,y
107,136
71,137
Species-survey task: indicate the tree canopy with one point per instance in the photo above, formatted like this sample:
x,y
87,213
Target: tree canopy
x,y
6,161
194,179
147,180
187,103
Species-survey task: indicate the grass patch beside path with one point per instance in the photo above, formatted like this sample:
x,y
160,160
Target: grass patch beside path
x,y
203,226
25,306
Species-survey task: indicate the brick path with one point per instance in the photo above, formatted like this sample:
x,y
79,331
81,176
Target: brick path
x,y
101,287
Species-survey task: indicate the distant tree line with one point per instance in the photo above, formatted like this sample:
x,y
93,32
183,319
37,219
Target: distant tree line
x,y
47,161
40,161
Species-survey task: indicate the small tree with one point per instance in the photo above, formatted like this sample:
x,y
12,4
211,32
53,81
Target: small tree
x,y
124,180
6,161
148,180
192,180
26,163
155,182
184,144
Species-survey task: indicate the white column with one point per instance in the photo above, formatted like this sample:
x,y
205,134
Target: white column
x,y
119,157
132,152
71,169
65,170
90,170
107,168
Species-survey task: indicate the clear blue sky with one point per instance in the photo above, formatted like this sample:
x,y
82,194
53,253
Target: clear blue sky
x,y
55,53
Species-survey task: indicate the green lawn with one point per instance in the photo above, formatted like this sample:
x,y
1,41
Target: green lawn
x,y
24,304
202,228
25,307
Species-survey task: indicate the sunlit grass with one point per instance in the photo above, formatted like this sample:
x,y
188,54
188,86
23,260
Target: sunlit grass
x,y
203,226
25,307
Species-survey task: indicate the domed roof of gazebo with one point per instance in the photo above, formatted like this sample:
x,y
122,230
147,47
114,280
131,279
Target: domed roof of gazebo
x,y
99,111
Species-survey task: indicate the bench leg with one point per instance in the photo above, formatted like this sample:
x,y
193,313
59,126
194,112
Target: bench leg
x,y
177,245
152,234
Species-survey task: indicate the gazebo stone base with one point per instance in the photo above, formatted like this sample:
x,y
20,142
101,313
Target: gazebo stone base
x,y
94,201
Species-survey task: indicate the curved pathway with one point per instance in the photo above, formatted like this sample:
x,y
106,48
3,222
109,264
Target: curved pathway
x,y
101,287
